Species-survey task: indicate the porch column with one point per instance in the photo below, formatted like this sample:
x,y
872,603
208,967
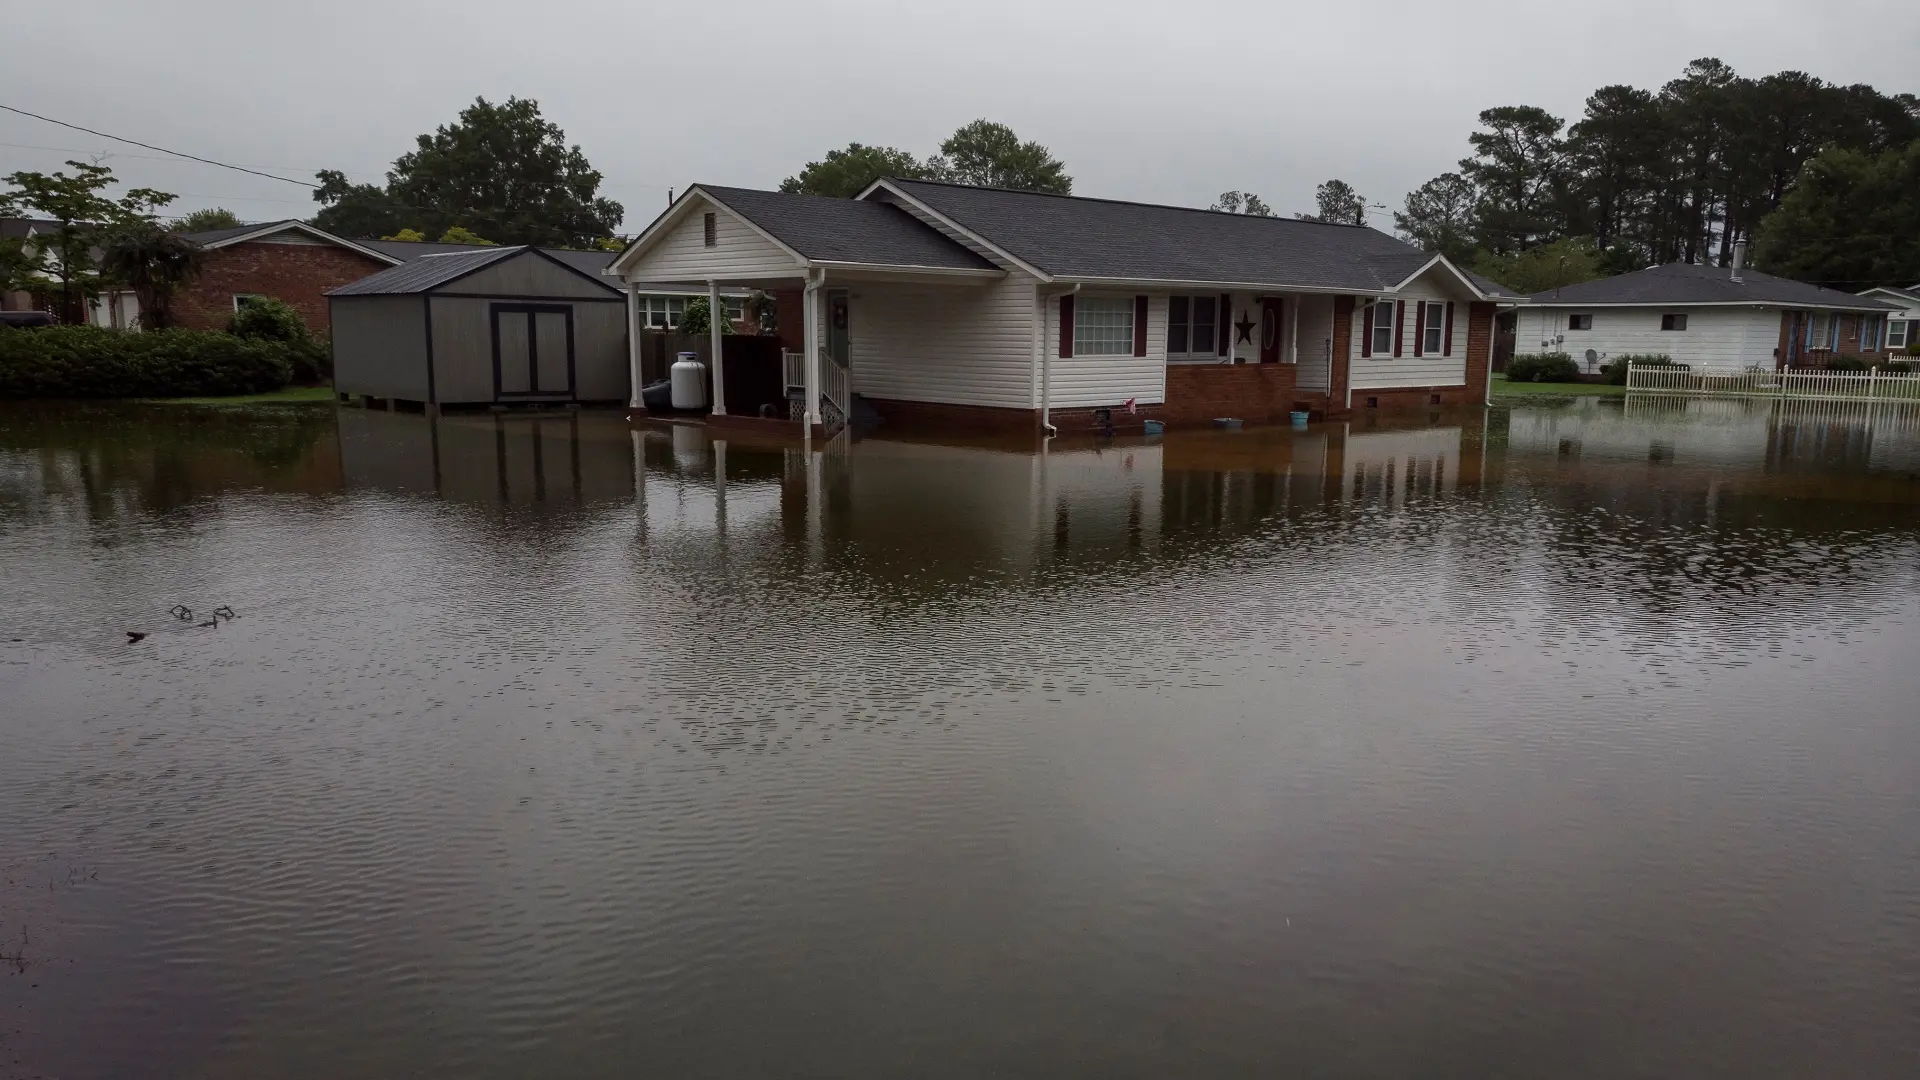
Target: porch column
x,y
714,314
810,326
633,345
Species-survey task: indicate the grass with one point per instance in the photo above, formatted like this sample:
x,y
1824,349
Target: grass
x,y
292,395
1503,388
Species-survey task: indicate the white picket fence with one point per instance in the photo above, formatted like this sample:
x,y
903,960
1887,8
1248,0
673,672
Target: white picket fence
x,y
1817,385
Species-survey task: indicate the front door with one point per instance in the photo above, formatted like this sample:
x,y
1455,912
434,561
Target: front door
x,y
1272,329
532,351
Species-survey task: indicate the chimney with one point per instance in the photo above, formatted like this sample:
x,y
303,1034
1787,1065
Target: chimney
x,y
1739,258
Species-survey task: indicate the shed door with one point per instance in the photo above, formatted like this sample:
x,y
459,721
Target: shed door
x,y
532,350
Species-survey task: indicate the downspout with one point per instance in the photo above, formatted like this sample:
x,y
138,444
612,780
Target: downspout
x,y
1046,362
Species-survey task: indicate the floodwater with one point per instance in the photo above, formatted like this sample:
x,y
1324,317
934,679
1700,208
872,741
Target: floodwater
x,y
1575,741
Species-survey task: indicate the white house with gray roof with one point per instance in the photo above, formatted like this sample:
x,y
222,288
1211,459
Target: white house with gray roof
x,y
1712,318
989,309
1903,325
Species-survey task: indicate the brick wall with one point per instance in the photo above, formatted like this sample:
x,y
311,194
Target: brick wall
x,y
941,416
299,274
1197,394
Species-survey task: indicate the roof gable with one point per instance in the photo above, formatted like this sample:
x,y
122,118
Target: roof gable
x,y
429,273
212,239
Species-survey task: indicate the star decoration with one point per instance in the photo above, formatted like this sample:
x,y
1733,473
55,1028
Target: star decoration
x,y
1245,326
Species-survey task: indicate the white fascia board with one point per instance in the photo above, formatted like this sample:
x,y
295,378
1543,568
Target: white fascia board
x,y
1442,260
310,230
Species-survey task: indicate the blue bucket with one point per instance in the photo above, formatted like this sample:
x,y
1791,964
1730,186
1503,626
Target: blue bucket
x,y
1300,419
1155,427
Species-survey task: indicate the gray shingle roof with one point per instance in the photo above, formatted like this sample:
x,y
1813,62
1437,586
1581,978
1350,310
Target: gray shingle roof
x,y
1680,284
214,236
1910,294
16,228
426,272
1068,236
848,230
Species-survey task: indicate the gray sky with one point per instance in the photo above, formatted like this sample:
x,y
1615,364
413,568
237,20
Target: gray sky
x,y
1164,102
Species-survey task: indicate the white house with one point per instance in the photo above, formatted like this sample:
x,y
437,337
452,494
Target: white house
x,y
982,308
1903,326
1712,318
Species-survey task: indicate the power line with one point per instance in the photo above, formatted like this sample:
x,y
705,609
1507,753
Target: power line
x,y
161,149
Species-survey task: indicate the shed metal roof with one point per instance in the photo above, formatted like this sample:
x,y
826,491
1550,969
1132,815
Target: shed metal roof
x,y
426,272
1685,284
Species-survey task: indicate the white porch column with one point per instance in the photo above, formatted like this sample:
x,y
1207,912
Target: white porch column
x,y
810,326
633,345
714,314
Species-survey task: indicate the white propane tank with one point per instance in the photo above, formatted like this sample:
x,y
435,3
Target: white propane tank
x,y
688,377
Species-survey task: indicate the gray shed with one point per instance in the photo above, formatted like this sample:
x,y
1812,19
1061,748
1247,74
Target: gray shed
x,y
494,325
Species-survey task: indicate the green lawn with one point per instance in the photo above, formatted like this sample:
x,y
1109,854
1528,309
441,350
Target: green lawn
x,y
292,395
1503,388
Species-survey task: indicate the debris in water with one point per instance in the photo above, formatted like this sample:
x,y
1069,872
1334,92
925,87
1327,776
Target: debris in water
x,y
181,612
134,635
223,610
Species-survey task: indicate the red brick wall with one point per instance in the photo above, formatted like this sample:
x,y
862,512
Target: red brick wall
x,y
1197,394
790,312
941,416
299,274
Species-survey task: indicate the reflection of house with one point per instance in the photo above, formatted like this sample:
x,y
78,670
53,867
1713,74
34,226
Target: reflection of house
x,y
987,309
1712,318
569,459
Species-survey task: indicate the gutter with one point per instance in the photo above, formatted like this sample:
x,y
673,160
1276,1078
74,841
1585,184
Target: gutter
x,y
1046,359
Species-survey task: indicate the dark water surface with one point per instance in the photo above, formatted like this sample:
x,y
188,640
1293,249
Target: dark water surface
x,y
1573,742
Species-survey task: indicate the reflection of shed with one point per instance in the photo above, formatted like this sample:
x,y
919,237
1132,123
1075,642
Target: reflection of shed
x,y
481,326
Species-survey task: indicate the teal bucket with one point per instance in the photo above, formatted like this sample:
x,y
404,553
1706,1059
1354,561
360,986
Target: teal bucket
x,y
1155,427
1300,419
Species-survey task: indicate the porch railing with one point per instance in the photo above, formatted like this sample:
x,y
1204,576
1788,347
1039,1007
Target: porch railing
x,y
1760,382
833,378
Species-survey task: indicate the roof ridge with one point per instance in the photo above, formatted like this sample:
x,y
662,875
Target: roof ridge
x,y
1132,202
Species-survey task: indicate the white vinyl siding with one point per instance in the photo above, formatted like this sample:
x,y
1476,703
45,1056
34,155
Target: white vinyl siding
x,y
683,255
1716,339
1315,337
1383,370
957,344
1092,382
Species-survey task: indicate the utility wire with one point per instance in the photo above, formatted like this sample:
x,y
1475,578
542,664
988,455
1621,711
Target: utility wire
x,y
161,149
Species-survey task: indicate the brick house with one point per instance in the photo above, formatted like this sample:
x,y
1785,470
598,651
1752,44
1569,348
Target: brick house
x,y
290,261
982,309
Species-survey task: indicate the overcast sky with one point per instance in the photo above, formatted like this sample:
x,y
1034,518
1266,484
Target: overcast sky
x,y
1164,102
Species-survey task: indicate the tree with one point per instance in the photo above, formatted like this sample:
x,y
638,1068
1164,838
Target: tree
x,y
206,221
1337,203
154,262
843,174
986,154
22,265
1567,261
460,234
500,170
408,236
1849,222
1439,217
693,318
81,215
1242,202
1612,154
1515,167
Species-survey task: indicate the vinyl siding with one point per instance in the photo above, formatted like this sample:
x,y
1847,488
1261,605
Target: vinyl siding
x,y
958,344
1435,369
1088,382
1315,314
1716,339
738,251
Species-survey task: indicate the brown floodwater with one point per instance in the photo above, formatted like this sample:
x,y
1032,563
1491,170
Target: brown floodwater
x,y
1571,740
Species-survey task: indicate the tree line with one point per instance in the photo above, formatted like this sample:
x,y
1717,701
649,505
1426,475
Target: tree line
x,y
1675,175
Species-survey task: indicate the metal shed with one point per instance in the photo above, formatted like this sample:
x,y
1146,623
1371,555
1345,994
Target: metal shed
x,y
487,326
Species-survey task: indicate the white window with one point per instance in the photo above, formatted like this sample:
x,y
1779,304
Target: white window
x,y
1383,329
242,299
1899,332
1583,321
1675,321
1817,331
662,312
1191,324
1869,333
736,307
1103,326
1432,340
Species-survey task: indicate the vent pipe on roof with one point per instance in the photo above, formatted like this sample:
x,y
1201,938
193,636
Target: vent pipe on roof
x,y
1739,258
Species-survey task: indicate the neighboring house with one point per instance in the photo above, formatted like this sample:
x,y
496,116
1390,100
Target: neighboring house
x,y
1903,325
983,308
1712,318
290,261
114,307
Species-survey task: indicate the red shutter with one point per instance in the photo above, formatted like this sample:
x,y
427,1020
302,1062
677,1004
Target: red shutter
x,y
1066,325
1226,324
1420,329
1139,326
1399,325
1446,340
1366,331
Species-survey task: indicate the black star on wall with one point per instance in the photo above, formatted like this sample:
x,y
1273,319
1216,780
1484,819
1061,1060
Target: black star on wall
x,y
1245,326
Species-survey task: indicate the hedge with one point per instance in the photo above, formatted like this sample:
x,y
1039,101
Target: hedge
x,y
1616,369
1543,367
95,362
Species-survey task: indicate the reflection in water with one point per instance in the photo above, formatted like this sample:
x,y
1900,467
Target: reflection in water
x,y
1565,741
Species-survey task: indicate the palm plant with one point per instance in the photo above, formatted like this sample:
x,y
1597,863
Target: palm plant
x,y
153,262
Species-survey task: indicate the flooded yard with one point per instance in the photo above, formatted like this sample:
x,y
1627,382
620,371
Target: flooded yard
x,y
1575,739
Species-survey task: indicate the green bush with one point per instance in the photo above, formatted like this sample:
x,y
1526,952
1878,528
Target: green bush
x,y
1543,367
1616,369
1848,363
95,362
268,319
312,360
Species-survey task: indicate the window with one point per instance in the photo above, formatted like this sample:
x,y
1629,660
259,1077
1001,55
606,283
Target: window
x,y
1869,333
1190,325
1583,321
1817,331
1899,332
1382,330
242,299
1673,322
710,230
1432,338
1103,326
662,312
735,306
